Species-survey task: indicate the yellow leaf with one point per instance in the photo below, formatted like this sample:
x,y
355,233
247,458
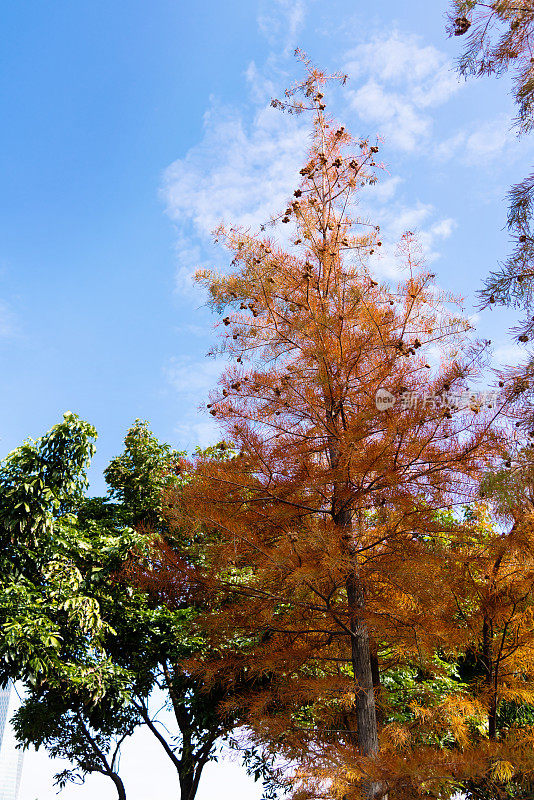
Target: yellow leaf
x,y
502,770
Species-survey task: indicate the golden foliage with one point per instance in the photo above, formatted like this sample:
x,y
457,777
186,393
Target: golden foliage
x,y
327,552
502,770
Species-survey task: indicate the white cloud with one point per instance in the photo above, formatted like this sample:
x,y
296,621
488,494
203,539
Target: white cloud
x,y
242,172
238,173
194,432
398,121
509,354
448,147
489,140
481,143
261,87
407,218
193,379
397,58
281,21
189,258
421,219
384,191
443,229
190,377
405,79
430,237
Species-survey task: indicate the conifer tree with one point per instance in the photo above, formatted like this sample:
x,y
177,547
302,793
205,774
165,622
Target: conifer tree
x,y
342,405
493,593
499,39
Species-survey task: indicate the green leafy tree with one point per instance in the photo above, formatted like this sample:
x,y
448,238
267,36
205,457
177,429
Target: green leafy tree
x,y
42,598
86,626
161,633
139,476
53,630
88,739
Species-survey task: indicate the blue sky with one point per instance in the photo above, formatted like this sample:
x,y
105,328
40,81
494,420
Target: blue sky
x,y
130,129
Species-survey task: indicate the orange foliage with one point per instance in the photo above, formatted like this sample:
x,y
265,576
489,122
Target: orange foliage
x,y
317,548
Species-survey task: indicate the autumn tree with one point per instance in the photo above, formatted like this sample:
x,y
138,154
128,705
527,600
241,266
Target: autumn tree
x,y
499,39
487,581
493,595
342,403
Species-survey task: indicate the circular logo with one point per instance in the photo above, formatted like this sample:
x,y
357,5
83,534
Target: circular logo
x,y
384,400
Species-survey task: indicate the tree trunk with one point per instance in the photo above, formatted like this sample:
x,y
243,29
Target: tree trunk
x,y
119,785
187,789
189,776
487,656
367,733
364,703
